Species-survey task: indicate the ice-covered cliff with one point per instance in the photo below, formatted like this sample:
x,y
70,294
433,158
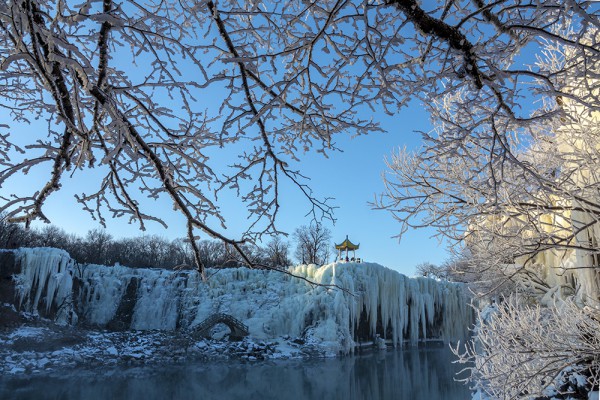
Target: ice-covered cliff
x,y
376,300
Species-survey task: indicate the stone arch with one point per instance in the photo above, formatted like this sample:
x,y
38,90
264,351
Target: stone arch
x,y
237,328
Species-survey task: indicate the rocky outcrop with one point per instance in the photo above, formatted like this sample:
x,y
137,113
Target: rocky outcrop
x,y
124,314
8,269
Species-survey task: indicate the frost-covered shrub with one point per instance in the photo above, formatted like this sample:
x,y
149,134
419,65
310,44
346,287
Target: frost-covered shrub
x,y
530,352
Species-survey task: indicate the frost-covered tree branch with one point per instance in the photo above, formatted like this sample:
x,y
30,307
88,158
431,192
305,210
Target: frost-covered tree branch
x,y
151,94
524,352
105,76
538,204
509,172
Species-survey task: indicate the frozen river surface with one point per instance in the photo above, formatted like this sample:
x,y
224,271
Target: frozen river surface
x,y
415,374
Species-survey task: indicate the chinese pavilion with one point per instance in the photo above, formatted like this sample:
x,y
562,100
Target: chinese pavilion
x,y
347,245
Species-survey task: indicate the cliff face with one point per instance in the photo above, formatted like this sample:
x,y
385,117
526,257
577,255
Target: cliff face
x,y
8,269
376,300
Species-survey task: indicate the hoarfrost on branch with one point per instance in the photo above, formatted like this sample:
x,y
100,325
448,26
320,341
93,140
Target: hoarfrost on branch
x,y
124,85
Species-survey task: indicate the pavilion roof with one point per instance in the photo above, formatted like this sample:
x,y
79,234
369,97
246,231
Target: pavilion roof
x,y
347,245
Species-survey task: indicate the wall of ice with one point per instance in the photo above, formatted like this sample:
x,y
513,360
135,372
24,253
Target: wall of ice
x,y
375,300
44,286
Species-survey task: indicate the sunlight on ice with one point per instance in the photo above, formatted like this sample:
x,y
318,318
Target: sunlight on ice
x,y
272,304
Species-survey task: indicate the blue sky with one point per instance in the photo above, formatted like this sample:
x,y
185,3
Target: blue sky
x,y
362,158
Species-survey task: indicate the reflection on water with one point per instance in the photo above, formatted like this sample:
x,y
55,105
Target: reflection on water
x,y
415,374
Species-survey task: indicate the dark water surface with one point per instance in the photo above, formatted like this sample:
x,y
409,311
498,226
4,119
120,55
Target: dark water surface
x,y
415,374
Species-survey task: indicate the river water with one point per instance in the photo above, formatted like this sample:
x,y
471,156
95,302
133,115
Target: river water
x,y
425,373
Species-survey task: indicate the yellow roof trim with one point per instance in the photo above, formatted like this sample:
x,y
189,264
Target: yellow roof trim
x,y
347,244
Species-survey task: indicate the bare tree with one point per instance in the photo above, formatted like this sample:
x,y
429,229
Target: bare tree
x,y
313,244
212,253
276,253
11,234
97,247
50,236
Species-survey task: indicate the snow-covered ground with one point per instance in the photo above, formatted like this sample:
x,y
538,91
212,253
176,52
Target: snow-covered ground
x,y
43,347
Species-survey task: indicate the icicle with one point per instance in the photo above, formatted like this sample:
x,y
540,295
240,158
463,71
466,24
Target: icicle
x,y
268,302
46,281
102,290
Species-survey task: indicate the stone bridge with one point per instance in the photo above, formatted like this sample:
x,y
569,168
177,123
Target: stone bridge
x,y
238,329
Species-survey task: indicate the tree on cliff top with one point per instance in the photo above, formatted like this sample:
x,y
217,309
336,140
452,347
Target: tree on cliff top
x,y
122,86
313,243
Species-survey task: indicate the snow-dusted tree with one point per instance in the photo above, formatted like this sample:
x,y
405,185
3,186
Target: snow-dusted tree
x,y
525,352
431,270
527,207
523,194
123,87
313,244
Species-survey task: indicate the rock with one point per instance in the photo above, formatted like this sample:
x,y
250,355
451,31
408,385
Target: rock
x,y
122,319
8,267
43,362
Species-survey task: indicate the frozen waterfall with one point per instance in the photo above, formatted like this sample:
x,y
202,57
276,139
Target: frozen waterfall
x,y
45,283
375,300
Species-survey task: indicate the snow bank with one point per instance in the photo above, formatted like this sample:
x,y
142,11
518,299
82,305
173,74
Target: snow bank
x,y
375,300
